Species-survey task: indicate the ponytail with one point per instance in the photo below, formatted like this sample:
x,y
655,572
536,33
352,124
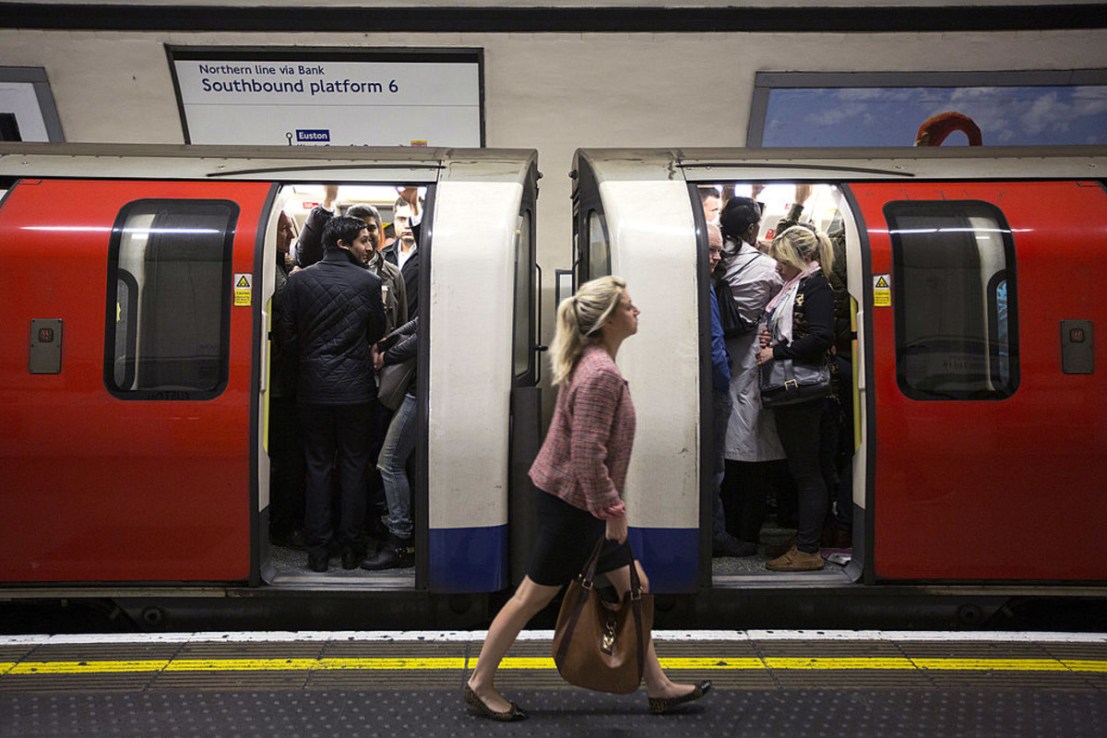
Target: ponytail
x,y
579,321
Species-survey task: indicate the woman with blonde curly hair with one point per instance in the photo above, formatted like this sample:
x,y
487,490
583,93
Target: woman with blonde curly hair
x,y
801,328
579,473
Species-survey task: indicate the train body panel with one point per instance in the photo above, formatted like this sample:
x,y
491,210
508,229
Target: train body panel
x,y
964,482
976,393
87,467
966,269
167,476
471,368
648,221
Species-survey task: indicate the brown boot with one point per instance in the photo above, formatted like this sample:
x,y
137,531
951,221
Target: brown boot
x,y
796,560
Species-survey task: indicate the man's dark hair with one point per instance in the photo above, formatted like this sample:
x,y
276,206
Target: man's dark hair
x,y
364,212
706,192
343,228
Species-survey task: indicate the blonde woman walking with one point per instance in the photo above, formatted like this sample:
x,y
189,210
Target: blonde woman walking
x,y
579,473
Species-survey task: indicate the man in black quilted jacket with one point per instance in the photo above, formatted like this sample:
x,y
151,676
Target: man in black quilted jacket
x,y
333,315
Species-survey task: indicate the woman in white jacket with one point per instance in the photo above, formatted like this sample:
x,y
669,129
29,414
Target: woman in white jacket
x,y
751,439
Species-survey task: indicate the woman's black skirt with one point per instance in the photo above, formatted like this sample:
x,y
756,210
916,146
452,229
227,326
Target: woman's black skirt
x,y
566,538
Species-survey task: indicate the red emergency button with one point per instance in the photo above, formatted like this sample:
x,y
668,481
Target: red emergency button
x,y
1076,335
45,335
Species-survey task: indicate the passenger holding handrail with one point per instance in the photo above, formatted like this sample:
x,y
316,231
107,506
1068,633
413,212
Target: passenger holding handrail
x,y
579,472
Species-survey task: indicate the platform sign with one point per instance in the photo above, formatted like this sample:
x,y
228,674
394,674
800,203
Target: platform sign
x,y
305,97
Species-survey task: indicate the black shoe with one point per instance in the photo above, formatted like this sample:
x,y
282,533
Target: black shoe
x,y
352,559
477,707
318,562
397,553
731,546
663,705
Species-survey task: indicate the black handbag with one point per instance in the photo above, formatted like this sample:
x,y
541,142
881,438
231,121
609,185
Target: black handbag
x,y
599,645
786,382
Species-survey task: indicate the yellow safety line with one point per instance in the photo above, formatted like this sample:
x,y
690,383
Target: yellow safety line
x,y
839,663
538,663
991,665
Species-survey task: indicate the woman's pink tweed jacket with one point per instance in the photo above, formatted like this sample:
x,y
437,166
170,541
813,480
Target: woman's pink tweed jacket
x,y
587,449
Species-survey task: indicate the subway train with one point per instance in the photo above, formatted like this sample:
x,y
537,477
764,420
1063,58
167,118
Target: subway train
x,y
135,366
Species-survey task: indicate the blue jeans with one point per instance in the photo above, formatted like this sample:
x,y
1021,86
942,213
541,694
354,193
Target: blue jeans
x,y
392,462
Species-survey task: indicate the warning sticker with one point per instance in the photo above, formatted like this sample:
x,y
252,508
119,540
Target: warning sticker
x,y
243,289
882,290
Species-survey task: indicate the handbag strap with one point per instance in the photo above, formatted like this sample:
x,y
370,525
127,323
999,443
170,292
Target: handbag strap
x,y
587,577
588,573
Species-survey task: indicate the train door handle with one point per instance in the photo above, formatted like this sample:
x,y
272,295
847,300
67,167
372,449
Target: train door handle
x,y
1077,347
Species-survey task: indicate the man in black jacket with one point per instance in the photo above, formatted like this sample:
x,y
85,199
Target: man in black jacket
x,y
333,315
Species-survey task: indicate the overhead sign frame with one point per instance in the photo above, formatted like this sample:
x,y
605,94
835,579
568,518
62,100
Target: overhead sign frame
x,y
304,96
27,109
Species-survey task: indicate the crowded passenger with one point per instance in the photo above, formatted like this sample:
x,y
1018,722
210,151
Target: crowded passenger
x,y
332,315
722,542
404,253
749,282
286,451
399,444
836,440
711,202
800,327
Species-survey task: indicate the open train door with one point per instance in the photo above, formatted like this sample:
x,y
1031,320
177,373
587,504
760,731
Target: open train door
x,y
526,395
125,379
633,219
986,401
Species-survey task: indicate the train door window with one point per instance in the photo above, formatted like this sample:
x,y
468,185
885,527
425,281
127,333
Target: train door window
x,y
955,300
524,299
599,246
169,291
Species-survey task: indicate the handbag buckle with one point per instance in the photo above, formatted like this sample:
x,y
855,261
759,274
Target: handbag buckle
x,y
607,645
790,384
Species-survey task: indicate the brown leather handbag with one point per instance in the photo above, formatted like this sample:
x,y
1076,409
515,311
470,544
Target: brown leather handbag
x,y
600,645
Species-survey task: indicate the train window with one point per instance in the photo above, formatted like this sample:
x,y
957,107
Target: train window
x,y
599,250
954,286
524,297
169,270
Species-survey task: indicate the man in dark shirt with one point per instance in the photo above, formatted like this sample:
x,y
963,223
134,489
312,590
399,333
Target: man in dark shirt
x,y
333,315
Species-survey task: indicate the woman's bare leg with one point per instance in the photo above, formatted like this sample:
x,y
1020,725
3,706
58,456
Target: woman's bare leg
x,y
529,599
658,683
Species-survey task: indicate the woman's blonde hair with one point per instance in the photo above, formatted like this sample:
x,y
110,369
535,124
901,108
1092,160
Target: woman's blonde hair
x,y
798,245
579,320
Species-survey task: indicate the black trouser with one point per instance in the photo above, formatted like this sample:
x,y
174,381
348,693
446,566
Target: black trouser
x,y
798,427
330,430
842,493
745,488
377,505
286,469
